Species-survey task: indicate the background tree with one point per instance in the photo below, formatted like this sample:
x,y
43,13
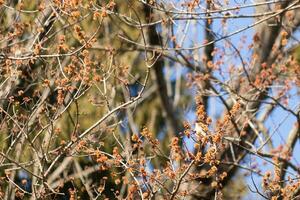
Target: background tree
x,y
149,99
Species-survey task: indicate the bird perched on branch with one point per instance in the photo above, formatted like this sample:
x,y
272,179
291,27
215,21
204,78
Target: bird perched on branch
x,y
200,128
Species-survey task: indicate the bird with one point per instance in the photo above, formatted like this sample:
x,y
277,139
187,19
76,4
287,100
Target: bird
x,y
199,129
